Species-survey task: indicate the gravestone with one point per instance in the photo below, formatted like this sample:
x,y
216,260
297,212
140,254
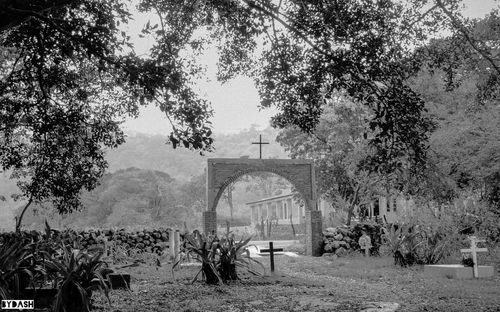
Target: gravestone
x,y
365,243
119,280
271,252
473,250
460,271
174,244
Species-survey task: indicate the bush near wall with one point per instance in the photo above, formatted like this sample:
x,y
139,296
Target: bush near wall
x,y
155,240
344,239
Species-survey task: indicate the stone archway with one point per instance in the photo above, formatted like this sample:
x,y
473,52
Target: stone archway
x,y
223,171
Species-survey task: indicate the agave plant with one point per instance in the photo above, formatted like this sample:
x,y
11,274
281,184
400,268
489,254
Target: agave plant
x,y
14,260
80,273
219,258
402,242
204,249
233,254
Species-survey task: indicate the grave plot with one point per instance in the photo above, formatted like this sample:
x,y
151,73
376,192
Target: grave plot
x,y
460,271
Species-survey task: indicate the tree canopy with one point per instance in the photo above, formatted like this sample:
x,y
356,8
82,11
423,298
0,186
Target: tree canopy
x,y
69,75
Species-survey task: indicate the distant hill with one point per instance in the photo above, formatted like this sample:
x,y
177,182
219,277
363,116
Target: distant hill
x,y
151,152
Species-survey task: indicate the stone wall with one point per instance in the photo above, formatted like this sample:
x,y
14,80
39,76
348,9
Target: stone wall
x,y
147,240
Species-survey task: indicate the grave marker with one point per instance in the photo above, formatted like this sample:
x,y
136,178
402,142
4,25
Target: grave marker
x,y
365,243
260,145
271,252
473,250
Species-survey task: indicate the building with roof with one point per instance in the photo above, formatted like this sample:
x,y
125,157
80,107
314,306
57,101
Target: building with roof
x,y
280,209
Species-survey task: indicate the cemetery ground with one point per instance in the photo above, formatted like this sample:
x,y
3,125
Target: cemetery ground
x,y
305,283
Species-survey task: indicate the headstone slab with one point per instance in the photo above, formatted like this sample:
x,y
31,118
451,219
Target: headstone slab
x,y
119,280
457,271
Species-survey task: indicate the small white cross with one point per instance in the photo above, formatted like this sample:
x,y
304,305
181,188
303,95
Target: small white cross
x,y
474,250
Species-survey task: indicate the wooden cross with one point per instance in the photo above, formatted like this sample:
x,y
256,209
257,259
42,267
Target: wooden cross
x,y
271,251
260,145
474,250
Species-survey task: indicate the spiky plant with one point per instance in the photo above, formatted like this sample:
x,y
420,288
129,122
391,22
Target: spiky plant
x,y
402,242
14,259
80,273
219,258
437,243
204,249
233,254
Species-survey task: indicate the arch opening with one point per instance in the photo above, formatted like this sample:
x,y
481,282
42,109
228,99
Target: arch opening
x,y
221,172
261,204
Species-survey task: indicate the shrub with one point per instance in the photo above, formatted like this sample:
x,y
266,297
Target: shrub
x,y
401,243
14,256
219,258
427,243
79,274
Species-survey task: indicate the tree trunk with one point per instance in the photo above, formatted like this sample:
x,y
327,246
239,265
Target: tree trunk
x,y
262,229
210,276
351,205
227,271
269,228
230,201
19,220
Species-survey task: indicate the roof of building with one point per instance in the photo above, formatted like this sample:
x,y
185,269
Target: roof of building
x,y
270,199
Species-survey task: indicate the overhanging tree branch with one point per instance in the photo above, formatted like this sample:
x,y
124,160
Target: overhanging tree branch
x,y
11,11
468,37
253,4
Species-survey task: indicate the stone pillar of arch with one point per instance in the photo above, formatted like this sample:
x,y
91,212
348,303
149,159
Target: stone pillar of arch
x,y
300,173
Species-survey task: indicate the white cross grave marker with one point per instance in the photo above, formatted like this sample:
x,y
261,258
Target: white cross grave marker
x,y
474,250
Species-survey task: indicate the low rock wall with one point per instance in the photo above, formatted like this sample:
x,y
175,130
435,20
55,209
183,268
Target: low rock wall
x,y
146,240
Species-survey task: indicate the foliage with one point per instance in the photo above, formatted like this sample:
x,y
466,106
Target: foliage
x,y
34,261
127,197
67,81
339,148
457,78
402,243
492,196
321,45
14,257
425,238
219,257
466,53
70,75
79,274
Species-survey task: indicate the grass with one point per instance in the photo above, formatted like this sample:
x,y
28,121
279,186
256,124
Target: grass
x,y
306,284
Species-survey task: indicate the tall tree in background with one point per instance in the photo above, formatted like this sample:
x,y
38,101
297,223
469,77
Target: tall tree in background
x,y
459,80
339,149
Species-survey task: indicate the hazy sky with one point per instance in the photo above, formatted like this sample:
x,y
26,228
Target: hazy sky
x,y
236,103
